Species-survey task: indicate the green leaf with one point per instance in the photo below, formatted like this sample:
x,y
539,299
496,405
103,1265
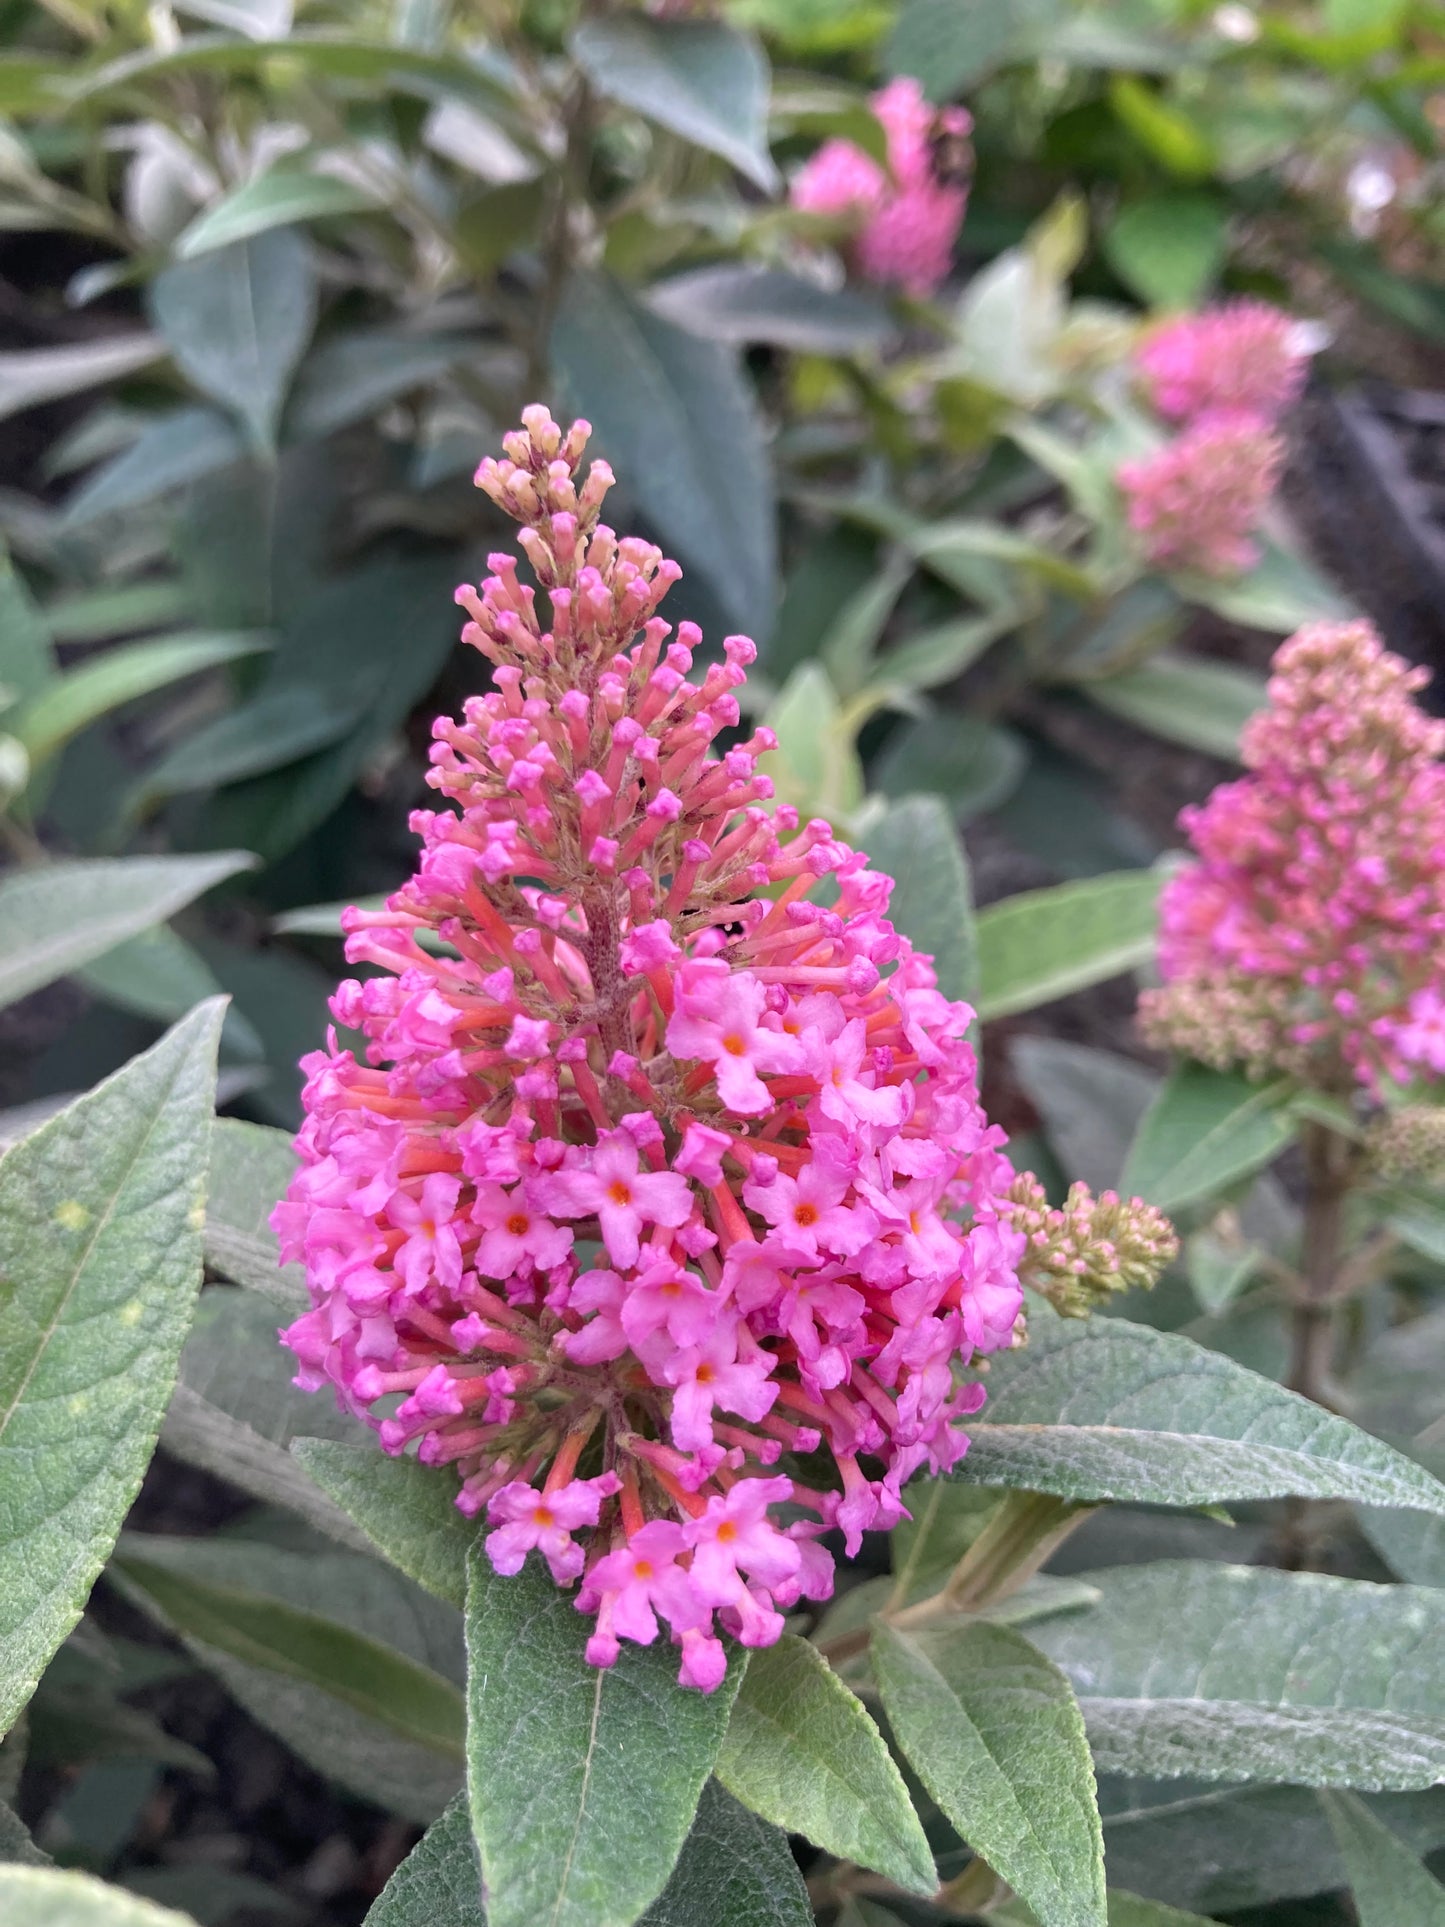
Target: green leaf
x,y
1090,1102
159,975
1238,1673
1125,1910
946,1519
949,47
972,764
235,1411
281,197
1169,248
747,301
57,918
584,1779
415,1703
1204,1132
237,322
1104,1409
1411,1543
1280,593
802,1751
94,615
350,377
251,1166
100,1251
181,447
1389,1886
345,1660
407,1510
34,375
815,765
995,1734
27,663
16,1846
734,1871
701,79
439,1884
1184,699
1166,130
47,1897
916,843
1045,944
117,676
677,418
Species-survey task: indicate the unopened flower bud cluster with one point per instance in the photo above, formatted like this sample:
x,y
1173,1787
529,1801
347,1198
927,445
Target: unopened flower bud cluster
x,y
1081,1253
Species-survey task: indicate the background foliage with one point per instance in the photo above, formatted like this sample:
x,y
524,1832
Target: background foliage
x,y
273,284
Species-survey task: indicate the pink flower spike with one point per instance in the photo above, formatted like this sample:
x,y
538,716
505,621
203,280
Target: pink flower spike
x,y
720,1020
734,1535
432,1249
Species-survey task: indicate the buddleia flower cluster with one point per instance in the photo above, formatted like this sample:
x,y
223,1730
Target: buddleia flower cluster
x,y
1224,378
1309,936
910,211
1079,1254
660,1162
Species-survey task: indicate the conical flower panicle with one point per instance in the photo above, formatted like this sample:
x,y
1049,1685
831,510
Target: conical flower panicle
x,y
1309,936
655,1169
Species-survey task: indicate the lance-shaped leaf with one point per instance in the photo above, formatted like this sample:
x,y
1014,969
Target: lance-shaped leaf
x,y
701,79
932,904
1045,944
47,1897
1105,1409
734,1871
584,1779
54,919
803,1751
1204,1131
439,1884
280,197
407,1510
236,1410
100,1254
1125,1910
17,1849
345,1660
1186,699
1238,1673
992,1729
1389,1886
251,1166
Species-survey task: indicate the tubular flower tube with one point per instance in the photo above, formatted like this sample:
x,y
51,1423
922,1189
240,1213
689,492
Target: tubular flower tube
x,y
1195,503
656,1169
1245,356
1310,935
911,220
1081,1254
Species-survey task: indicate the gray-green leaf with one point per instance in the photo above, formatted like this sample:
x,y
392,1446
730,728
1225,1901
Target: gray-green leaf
x,y
407,1510
676,417
56,918
46,1897
584,1780
803,1751
1106,1409
1185,699
1045,944
1389,1885
916,843
701,79
993,1731
439,1884
100,1254
251,1166
1238,1673
280,197
1205,1131
734,1871
237,322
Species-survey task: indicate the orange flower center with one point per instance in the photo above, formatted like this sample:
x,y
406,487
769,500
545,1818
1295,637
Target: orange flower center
x,y
619,1192
518,1223
734,1045
806,1214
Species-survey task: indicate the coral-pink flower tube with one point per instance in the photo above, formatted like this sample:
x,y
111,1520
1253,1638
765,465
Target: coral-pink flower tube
x,y
911,220
1310,934
657,1169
